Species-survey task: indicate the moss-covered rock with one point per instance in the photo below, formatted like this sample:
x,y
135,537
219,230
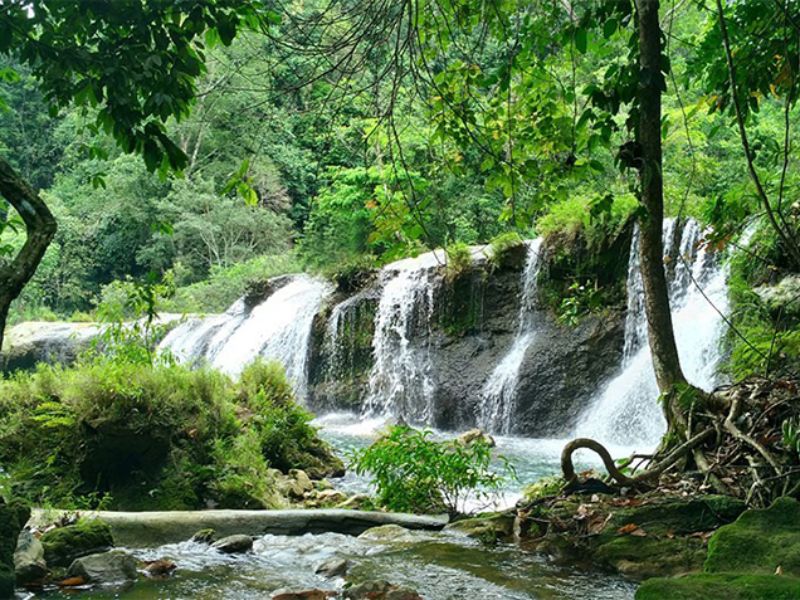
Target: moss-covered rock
x,y
488,529
708,586
651,556
759,541
156,437
677,517
660,542
65,544
12,519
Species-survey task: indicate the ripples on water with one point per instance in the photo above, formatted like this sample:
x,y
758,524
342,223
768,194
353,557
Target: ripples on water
x,y
440,566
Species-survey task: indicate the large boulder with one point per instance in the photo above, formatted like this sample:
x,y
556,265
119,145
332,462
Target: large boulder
x,y
40,341
64,544
115,566
757,556
467,333
759,542
12,519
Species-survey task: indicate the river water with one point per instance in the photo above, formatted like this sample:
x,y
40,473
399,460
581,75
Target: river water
x,y
439,566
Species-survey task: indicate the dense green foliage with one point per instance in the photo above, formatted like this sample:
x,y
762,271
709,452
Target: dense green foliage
x,y
415,473
509,122
137,436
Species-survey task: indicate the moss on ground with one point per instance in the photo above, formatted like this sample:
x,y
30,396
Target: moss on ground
x,y
65,544
730,586
759,541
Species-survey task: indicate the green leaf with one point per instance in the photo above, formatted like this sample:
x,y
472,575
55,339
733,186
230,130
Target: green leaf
x,y
581,40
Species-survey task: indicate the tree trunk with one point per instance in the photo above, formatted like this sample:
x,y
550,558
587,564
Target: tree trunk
x,y
40,228
651,248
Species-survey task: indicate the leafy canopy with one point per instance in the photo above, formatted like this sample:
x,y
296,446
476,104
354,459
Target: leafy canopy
x,y
135,62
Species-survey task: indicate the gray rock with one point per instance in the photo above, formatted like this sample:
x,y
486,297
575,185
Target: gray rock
x,y
305,594
29,564
108,567
204,536
389,533
381,590
234,544
333,567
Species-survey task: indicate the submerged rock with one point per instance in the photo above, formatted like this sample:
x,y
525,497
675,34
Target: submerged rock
x,y
65,544
307,594
389,533
333,567
381,590
234,544
29,563
114,566
489,530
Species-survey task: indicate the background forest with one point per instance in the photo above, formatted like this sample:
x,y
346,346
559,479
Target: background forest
x,y
298,164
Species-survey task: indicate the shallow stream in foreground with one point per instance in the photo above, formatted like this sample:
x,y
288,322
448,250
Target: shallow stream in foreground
x,y
440,566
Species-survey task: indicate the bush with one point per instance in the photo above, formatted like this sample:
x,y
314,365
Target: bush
x,y
504,244
459,260
153,437
414,473
226,284
767,338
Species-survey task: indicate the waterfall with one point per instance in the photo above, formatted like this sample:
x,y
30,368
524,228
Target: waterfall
x,y
498,397
626,411
401,382
277,329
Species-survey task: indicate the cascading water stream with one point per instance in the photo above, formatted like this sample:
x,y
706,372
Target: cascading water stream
x,y
277,329
500,390
625,412
400,382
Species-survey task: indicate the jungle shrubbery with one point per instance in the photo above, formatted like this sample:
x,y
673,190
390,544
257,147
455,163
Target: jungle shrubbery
x,y
140,436
415,473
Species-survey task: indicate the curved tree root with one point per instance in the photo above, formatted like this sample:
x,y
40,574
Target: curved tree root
x,y
643,480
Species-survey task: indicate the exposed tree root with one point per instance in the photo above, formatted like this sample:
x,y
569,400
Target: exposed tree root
x,y
744,442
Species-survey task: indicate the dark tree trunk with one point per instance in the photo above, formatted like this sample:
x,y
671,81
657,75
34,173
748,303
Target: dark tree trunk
x,y
40,227
651,249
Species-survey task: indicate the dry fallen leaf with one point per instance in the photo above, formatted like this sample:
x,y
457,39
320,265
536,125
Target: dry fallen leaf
x,y
71,582
629,528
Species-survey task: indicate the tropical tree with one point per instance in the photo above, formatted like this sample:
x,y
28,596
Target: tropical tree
x,y
131,64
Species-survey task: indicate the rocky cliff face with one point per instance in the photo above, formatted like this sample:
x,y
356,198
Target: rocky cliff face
x,y
425,342
469,331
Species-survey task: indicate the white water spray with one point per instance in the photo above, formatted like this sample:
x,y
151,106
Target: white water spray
x,y
498,398
626,413
277,329
401,382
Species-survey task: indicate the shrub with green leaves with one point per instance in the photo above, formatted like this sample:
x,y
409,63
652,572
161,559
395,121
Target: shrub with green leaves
x,y
415,473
